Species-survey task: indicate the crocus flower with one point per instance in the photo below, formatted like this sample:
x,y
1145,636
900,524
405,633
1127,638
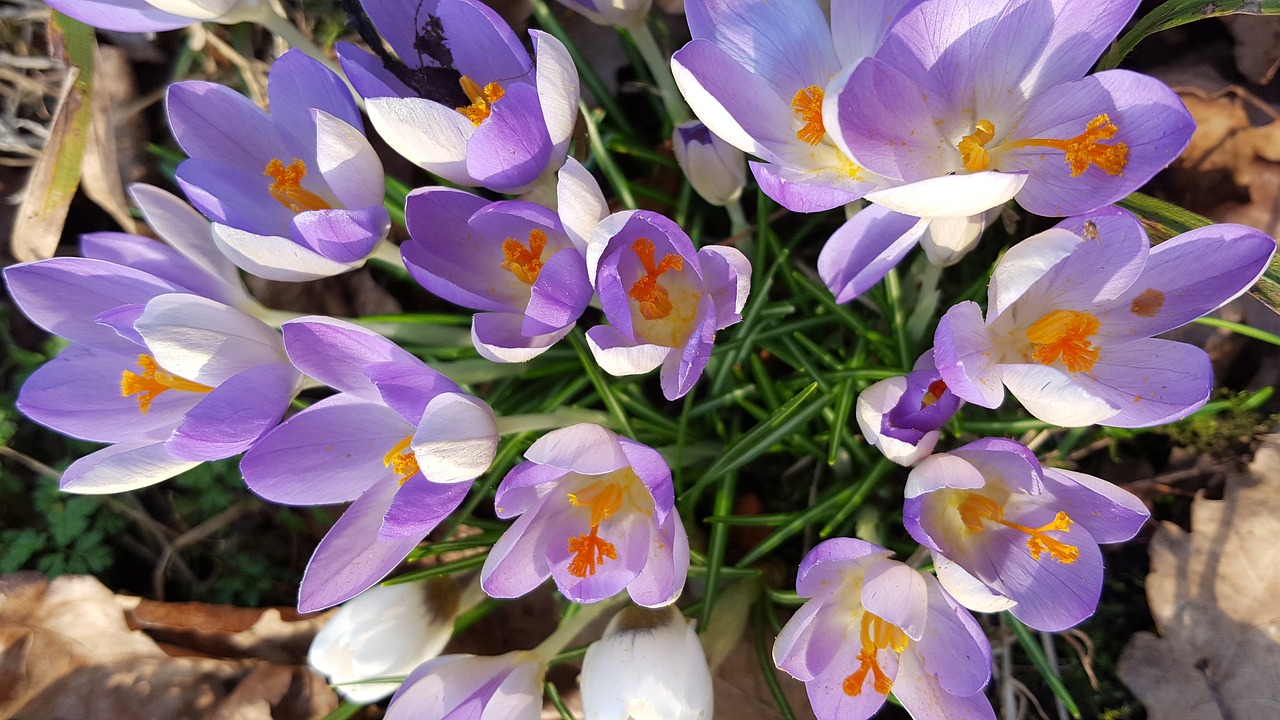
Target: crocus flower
x,y
462,99
467,687
158,15
1070,316
648,665
664,301
514,260
873,625
1008,533
620,13
293,195
400,440
597,513
902,416
716,169
385,631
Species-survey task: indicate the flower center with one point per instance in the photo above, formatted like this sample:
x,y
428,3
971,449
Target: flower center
x,y
604,498
975,508
401,460
1086,148
877,634
482,99
655,304
807,104
286,186
152,382
524,262
973,148
933,393
1065,334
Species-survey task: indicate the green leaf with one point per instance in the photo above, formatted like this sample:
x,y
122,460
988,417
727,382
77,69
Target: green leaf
x,y
1038,658
1180,12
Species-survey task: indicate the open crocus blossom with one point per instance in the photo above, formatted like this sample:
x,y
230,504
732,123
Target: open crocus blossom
x,y
1070,316
400,440
664,301
158,15
597,513
472,687
874,625
648,665
294,195
716,169
462,99
902,416
1006,533
513,260
757,73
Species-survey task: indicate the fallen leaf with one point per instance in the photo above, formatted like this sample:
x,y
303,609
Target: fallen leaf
x,y
1257,47
1213,594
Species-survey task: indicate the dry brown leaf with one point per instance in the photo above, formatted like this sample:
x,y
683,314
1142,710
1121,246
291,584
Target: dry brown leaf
x,y
1213,596
276,634
742,692
1257,46
101,176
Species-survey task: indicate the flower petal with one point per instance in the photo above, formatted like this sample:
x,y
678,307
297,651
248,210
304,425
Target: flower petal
x,y
951,196
428,134
233,415
274,257
123,466
865,248
204,341
456,439
1055,396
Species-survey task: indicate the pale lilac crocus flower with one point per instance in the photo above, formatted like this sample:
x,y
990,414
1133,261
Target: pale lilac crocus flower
x,y
1006,533
874,625
1072,311
400,440
597,513
902,416
463,99
472,687
664,301
513,260
716,169
293,195
159,15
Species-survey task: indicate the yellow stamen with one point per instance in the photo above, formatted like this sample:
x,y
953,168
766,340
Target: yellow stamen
x,y
286,186
933,394
1086,148
876,634
482,100
807,103
152,382
524,262
655,304
401,460
1065,334
976,508
973,148
603,497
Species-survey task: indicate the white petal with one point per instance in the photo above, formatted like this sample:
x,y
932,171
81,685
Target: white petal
x,y
634,360
1052,396
426,133
580,204
968,590
456,439
348,163
274,257
951,196
557,81
947,240
121,467
1024,264
600,237
184,229
653,670
205,341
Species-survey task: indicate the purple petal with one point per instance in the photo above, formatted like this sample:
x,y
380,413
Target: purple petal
x,y
886,123
1006,462
663,577
823,567
953,651
518,561
121,467
652,469
630,533
215,123
121,15
420,506
559,295
235,414
963,351
296,85
726,274
1109,513
521,488
681,371
484,47
344,236
735,103
585,448
511,148
807,192
366,72
925,699
865,249
234,196
1152,381
336,352
183,229
862,26
452,261
158,259
500,337
407,387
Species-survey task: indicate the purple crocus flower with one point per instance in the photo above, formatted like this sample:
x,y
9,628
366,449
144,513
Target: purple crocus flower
x,y
664,301
902,416
597,513
1006,533
1070,316
400,440
293,195
158,15
464,100
514,260
468,687
873,625
716,169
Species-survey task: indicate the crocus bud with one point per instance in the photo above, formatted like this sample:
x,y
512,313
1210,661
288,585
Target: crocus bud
x,y
716,169
386,631
647,666
466,687
620,13
902,416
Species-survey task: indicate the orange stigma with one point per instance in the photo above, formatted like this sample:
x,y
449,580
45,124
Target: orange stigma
x,y
653,299
973,148
524,262
807,103
482,99
976,508
1086,148
604,498
1065,334
152,382
933,394
877,634
401,460
286,186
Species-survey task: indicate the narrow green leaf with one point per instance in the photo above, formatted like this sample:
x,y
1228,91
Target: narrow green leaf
x,y
1180,12
1036,653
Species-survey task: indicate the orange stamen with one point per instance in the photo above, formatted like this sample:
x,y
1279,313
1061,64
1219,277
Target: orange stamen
x,y
807,103
1065,334
589,550
286,186
655,304
482,100
401,460
604,498
1086,148
933,394
973,148
876,634
152,382
976,508
524,262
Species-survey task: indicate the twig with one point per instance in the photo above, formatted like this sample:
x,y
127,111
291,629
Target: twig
x,y
192,536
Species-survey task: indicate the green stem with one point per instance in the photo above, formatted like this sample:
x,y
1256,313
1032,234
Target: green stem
x,y
565,416
738,224
572,625
926,303
281,26
605,159
660,68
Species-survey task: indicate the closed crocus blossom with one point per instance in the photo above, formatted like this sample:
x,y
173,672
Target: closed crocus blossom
x,y
716,169
664,301
157,15
902,416
385,631
597,513
400,440
472,687
1006,533
464,100
1070,316
648,665
874,625
513,260
293,195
